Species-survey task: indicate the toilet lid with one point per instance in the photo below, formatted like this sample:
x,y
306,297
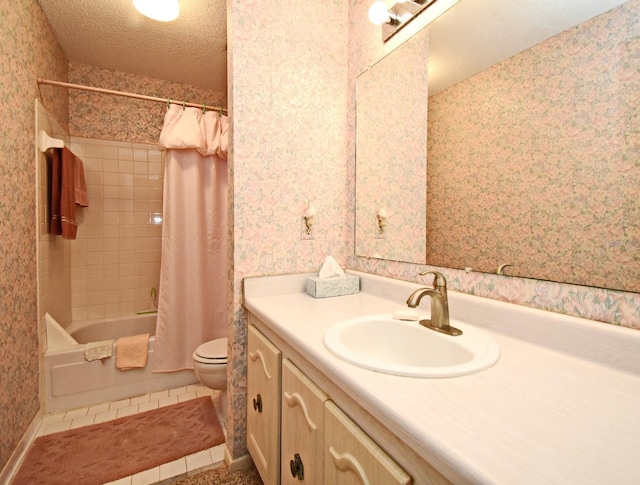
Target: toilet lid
x,y
213,350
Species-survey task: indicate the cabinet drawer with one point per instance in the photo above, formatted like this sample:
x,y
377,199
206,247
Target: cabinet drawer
x,y
302,427
352,458
263,405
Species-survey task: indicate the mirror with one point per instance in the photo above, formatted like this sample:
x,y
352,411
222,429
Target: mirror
x,y
391,154
534,161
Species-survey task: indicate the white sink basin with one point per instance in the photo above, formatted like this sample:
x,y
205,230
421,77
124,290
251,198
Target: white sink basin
x,y
406,348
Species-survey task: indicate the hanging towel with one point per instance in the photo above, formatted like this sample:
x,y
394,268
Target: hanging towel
x,y
62,203
131,352
81,197
98,350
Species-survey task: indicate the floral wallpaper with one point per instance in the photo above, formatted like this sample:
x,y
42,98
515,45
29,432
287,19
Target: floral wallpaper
x,y
29,50
288,111
107,117
610,306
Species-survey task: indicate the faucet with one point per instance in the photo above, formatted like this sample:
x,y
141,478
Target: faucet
x,y
439,320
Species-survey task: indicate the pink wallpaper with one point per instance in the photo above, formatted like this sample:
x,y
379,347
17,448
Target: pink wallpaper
x,y
288,97
29,50
107,117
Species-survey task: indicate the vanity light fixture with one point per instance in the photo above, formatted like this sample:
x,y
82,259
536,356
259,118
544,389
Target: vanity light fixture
x,y
379,13
161,10
404,11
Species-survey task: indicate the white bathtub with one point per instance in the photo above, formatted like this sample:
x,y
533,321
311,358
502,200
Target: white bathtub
x,y
73,382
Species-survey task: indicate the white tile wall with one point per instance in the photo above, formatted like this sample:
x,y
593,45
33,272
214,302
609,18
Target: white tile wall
x,y
115,260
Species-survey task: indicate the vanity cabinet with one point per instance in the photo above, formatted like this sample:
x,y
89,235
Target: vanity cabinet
x,y
263,405
302,427
352,458
296,434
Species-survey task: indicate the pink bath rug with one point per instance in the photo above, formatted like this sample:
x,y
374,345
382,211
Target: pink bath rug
x,y
105,452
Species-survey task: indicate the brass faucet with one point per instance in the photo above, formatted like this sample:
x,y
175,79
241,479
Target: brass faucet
x,y
439,320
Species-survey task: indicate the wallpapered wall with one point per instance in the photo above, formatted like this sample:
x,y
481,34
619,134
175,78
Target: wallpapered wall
x,y
107,117
621,308
29,50
288,97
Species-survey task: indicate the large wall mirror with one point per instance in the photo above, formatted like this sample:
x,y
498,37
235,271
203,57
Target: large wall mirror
x,y
391,154
533,140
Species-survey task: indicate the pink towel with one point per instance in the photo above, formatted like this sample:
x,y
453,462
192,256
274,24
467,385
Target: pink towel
x,y
81,197
131,352
62,203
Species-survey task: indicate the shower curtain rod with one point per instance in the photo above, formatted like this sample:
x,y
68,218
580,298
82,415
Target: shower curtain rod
x,y
129,95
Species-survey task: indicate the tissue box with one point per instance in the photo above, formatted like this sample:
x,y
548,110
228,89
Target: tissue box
x,y
334,286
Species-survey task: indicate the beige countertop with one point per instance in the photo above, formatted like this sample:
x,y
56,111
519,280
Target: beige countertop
x,y
562,405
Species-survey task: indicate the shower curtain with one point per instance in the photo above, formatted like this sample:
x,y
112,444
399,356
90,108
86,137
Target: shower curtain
x,y
192,300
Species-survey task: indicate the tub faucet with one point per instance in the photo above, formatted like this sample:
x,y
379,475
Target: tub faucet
x,y
439,320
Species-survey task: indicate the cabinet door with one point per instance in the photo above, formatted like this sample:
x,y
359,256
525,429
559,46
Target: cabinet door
x,y
263,406
352,458
302,428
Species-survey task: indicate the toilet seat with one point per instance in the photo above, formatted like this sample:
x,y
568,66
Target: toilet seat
x,y
212,352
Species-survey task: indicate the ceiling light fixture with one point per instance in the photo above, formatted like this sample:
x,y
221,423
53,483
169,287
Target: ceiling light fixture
x,y
161,10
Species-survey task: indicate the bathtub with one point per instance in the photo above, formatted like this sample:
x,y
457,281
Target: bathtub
x,y
72,382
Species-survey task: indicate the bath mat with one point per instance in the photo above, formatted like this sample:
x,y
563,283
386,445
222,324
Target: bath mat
x,y
222,475
104,452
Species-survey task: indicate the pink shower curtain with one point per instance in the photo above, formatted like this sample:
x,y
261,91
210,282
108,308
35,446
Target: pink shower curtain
x,y
192,301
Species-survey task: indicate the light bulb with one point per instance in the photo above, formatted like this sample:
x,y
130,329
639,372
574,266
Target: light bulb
x,y
379,13
161,10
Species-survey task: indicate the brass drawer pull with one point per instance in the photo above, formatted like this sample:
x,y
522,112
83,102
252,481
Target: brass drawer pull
x,y
297,468
257,403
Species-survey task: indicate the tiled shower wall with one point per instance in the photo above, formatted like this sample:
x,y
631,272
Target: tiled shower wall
x,y
115,260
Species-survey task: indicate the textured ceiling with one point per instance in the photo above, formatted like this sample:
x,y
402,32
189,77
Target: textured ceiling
x,y
114,35
473,35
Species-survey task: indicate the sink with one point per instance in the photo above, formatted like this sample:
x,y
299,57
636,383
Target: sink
x,y
406,348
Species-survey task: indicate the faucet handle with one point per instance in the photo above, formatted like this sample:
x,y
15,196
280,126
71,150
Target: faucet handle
x,y
438,278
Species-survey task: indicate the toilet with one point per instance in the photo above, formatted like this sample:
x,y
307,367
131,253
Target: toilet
x,y
210,366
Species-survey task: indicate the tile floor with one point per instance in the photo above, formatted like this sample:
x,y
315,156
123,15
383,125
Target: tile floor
x,y
99,413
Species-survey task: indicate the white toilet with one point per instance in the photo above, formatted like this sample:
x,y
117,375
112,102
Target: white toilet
x,y
210,366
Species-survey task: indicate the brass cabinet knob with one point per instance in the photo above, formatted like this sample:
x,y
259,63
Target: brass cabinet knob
x,y
297,468
257,403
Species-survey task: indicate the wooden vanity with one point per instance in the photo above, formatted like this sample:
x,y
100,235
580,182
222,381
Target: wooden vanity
x,y
560,406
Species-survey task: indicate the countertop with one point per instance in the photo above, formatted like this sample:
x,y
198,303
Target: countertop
x,y
562,405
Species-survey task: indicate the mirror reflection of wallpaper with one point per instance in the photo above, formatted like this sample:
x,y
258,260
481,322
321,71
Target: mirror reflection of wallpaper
x,y
535,161
391,154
